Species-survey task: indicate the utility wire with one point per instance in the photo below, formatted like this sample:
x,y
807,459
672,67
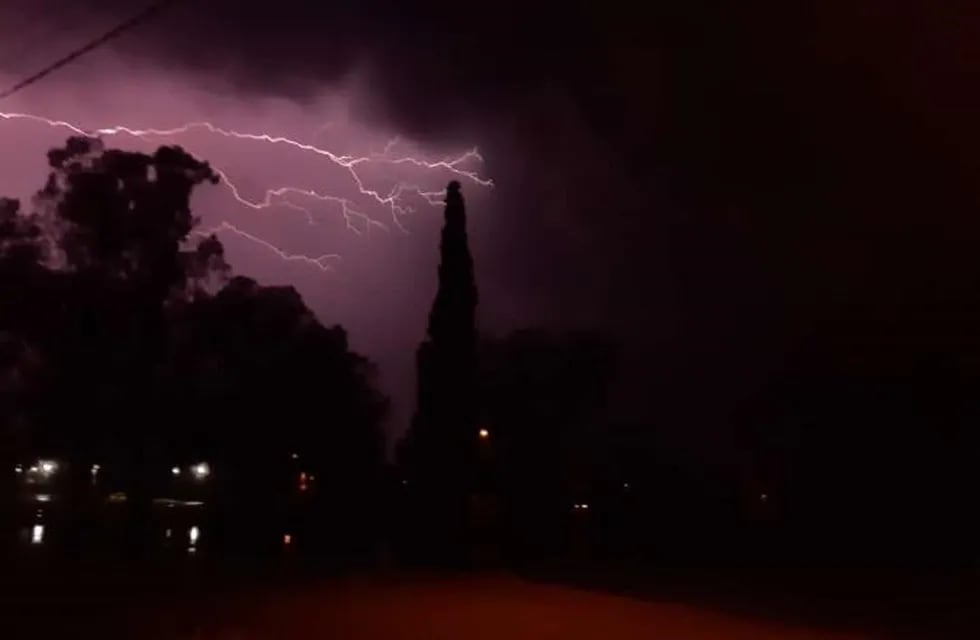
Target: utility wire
x,y
139,18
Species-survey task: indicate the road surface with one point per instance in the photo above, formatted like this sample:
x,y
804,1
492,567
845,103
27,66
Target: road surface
x,y
471,608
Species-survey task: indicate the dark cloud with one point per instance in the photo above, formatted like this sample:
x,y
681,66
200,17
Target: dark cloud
x,y
463,58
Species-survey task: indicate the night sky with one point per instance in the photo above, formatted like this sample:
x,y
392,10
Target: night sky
x,y
712,186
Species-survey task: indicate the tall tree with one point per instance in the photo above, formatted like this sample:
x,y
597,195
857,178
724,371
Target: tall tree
x,y
93,269
440,445
445,417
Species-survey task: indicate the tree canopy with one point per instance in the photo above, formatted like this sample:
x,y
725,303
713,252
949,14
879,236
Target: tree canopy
x,y
124,335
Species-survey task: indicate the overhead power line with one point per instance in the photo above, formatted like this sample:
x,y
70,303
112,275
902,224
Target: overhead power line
x,y
115,32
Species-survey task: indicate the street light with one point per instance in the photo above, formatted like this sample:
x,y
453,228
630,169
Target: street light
x,y
201,470
484,434
175,471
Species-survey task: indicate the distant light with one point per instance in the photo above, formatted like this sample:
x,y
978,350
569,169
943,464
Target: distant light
x,y
171,503
119,496
48,467
484,434
585,506
191,549
626,485
404,482
33,469
175,471
295,456
95,469
312,477
287,539
193,535
764,497
576,506
168,533
18,469
43,497
37,534
201,470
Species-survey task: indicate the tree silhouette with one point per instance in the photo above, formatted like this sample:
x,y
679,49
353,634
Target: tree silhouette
x,y
439,449
446,414
122,340
91,271
543,399
255,379
873,449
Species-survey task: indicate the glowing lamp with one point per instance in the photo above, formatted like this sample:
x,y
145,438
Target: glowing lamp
x,y
201,470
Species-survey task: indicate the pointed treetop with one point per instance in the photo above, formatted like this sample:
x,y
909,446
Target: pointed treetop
x,y
454,195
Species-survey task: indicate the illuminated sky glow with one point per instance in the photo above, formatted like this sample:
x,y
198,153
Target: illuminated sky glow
x,y
375,84
346,211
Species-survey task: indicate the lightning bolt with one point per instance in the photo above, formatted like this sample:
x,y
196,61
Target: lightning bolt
x,y
355,220
323,262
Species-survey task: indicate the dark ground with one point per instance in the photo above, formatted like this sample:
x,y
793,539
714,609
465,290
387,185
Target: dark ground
x,y
56,588
879,603
194,596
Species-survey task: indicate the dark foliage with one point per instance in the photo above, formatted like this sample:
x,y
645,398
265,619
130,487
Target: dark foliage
x,y
439,451
123,342
544,399
446,414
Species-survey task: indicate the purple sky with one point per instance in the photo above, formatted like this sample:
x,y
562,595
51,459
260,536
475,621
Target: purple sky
x,y
382,279
709,184
382,274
